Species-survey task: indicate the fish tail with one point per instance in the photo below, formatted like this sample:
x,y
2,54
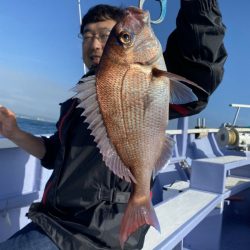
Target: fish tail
x,y
136,215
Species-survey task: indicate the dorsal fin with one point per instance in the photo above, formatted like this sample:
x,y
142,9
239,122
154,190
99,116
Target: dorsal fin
x,y
86,93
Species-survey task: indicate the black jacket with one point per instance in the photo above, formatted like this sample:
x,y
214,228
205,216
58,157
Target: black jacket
x,y
196,51
84,201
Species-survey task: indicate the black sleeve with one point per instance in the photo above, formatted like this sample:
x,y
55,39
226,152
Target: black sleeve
x,y
196,51
52,145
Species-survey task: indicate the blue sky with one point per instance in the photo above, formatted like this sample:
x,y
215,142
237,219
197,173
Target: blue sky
x,y
40,55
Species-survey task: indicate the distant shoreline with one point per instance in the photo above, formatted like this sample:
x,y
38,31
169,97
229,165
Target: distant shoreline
x,y
38,118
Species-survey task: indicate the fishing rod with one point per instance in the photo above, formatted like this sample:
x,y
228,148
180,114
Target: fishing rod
x,y
79,10
80,18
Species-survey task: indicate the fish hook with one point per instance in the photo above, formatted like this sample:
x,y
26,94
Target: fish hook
x,y
163,4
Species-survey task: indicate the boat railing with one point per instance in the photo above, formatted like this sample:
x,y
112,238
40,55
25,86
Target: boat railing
x,y
188,207
180,210
191,205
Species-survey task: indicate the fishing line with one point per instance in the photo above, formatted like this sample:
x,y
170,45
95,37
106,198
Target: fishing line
x,y
163,4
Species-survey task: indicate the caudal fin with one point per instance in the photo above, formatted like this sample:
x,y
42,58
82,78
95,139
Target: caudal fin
x,y
136,215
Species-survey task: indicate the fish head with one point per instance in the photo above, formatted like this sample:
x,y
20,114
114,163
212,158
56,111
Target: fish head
x,y
132,40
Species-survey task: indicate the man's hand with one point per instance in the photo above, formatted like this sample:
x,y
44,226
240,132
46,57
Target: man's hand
x,y
8,124
9,129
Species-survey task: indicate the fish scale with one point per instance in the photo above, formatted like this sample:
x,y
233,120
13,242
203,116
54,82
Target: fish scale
x,y
127,111
134,108
131,122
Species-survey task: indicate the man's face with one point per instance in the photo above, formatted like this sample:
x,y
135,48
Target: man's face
x,y
95,36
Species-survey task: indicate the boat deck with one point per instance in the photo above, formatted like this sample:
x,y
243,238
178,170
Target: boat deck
x,y
195,219
236,223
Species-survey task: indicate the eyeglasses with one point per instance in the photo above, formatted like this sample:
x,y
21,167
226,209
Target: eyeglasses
x,y
102,36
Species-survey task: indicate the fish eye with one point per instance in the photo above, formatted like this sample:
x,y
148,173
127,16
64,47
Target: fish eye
x,y
125,37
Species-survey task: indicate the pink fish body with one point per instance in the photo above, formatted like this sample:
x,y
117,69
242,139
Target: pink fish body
x,y
126,106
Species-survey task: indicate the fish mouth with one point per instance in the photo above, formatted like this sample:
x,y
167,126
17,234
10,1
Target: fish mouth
x,y
138,13
134,10
133,20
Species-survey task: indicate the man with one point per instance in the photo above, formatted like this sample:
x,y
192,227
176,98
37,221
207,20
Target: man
x,y
84,201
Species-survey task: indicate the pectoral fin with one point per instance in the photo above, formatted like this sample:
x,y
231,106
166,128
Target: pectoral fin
x,y
179,92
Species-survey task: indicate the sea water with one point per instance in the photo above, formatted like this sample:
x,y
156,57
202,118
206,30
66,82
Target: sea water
x,y
35,126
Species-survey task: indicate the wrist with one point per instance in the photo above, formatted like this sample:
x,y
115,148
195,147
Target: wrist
x,y
199,5
16,135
